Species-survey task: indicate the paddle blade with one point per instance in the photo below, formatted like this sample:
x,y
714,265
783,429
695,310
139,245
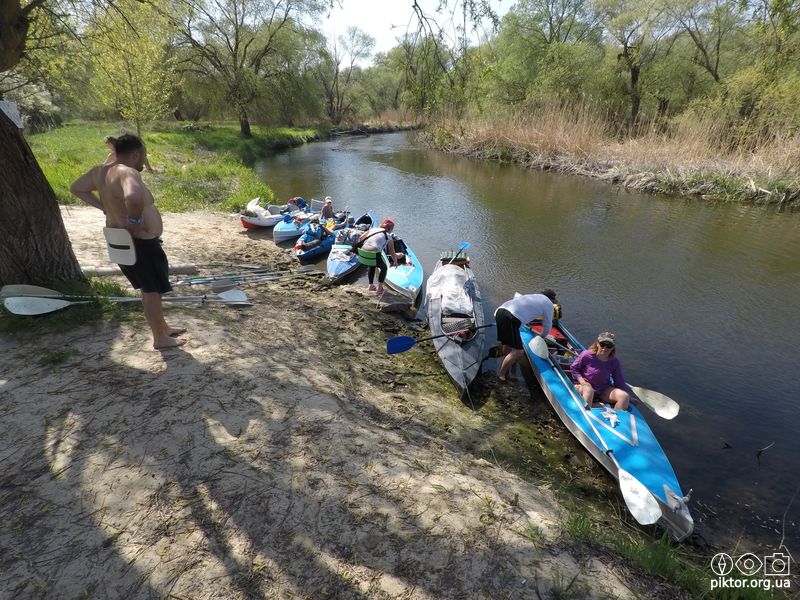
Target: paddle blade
x,y
399,344
463,246
234,296
36,306
21,289
664,406
642,504
539,347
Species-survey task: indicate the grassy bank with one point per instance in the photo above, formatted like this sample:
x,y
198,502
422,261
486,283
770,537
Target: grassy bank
x,y
514,429
194,167
695,157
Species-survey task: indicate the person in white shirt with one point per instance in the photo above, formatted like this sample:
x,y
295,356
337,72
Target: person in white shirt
x,y
512,314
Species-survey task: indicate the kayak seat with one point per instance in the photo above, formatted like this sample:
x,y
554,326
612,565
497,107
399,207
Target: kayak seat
x,y
537,327
451,324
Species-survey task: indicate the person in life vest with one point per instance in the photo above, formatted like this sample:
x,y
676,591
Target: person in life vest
x,y
370,246
313,235
510,315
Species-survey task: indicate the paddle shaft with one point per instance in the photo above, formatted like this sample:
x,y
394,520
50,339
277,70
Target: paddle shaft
x,y
433,337
461,248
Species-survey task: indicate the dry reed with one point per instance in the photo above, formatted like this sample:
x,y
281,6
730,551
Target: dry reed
x,y
694,155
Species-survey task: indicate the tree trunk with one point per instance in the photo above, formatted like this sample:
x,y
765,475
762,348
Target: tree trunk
x,y
636,97
244,123
34,246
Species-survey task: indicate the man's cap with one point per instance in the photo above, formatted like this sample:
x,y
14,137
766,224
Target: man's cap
x,y
328,200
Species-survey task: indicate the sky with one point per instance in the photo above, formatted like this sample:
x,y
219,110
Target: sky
x,y
386,20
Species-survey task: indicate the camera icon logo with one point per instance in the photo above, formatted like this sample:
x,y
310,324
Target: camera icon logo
x,y
749,564
777,564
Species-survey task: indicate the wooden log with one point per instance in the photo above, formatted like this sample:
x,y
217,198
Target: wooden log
x,y
184,269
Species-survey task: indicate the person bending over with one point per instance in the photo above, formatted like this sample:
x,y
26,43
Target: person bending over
x,y
510,315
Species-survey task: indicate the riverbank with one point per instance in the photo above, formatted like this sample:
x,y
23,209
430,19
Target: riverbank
x,y
282,453
684,160
195,166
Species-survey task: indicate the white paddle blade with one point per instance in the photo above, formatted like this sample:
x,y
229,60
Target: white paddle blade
x,y
36,306
234,296
642,504
21,289
664,406
539,347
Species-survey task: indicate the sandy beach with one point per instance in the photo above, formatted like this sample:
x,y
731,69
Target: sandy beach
x,y
279,454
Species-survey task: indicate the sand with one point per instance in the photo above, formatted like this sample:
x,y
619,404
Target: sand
x,y
279,454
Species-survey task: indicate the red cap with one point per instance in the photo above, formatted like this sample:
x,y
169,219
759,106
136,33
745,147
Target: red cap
x,y
387,223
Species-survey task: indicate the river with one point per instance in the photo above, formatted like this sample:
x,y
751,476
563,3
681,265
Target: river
x,y
703,298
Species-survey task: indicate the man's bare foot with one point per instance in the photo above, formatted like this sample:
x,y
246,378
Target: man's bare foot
x,y
168,343
173,331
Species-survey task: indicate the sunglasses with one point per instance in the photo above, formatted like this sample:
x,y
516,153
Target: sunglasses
x,y
606,345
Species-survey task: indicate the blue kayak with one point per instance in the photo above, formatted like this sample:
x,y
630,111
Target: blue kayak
x,y
604,431
405,278
296,224
342,261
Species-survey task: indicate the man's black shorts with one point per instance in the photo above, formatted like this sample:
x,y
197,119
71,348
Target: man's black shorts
x,y
508,329
151,271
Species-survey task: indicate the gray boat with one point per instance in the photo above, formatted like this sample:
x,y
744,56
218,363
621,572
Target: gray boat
x,y
454,308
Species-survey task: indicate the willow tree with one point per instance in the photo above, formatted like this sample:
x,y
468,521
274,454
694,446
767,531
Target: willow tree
x,y
134,71
232,42
34,246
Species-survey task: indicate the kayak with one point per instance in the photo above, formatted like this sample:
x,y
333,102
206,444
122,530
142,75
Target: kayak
x,y
293,226
342,261
605,432
404,278
255,215
454,307
310,247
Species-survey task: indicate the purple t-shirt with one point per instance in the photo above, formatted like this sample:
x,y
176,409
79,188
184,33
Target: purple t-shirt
x,y
598,373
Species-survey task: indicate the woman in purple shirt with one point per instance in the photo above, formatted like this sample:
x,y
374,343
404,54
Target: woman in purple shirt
x,y
598,373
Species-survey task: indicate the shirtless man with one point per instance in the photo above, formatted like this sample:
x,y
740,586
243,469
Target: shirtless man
x,y
128,204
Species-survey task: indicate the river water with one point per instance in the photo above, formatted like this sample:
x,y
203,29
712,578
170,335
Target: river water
x,y
703,298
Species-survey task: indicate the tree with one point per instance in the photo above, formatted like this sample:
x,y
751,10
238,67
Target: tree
x,y
708,23
232,40
338,72
133,73
34,246
636,27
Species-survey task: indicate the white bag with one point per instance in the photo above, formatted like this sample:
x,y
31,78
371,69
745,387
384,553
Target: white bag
x,y
120,246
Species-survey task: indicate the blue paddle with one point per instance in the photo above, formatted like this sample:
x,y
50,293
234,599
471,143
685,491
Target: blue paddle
x,y
401,343
463,246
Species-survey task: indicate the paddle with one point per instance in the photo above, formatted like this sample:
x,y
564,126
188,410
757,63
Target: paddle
x,y
461,247
206,279
39,305
34,291
640,501
226,284
661,404
401,343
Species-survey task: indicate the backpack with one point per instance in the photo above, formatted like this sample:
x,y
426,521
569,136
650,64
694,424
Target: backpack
x,y
354,247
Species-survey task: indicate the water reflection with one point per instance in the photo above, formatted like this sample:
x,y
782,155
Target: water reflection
x,y
703,297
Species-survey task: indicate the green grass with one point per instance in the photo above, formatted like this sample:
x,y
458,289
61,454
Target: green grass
x,y
204,167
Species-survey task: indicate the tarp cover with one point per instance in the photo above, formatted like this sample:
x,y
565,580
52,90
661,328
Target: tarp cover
x,y
449,281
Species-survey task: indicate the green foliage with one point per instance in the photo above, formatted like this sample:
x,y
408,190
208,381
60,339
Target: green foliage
x,y
133,70
202,167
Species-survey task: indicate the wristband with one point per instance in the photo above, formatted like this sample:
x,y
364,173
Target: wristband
x,y
132,221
